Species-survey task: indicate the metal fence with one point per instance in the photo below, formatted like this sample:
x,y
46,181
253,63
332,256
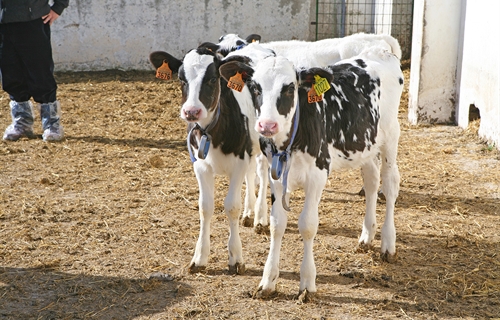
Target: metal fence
x,y
339,18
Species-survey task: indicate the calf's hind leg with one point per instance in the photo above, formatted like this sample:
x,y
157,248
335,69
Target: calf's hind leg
x,y
247,220
371,181
390,187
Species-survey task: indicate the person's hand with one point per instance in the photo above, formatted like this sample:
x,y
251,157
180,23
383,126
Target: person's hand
x,y
50,18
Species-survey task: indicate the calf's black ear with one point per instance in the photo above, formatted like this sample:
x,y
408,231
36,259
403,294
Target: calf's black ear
x,y
253,38
229,69
157,59
212,47
307,76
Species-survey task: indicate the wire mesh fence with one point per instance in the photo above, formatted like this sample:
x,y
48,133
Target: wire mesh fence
x,y
340,18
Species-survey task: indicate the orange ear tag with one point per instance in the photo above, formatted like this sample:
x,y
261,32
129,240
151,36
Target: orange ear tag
x,y
236,82
164,72
313,97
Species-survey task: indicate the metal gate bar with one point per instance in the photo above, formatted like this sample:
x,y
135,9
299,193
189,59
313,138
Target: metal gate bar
x,y
339,18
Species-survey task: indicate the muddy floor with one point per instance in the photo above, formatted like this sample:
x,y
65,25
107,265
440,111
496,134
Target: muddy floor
x,y
103,224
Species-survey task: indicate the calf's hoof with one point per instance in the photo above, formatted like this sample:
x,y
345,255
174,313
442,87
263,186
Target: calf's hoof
x,y
380,194
193,268
263,294
387,257
363,247
260,229
304,296
361,192
247,222
238,268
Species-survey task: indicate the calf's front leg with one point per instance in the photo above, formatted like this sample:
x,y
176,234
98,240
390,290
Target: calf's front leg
x,y
206,183
278,221
308,228
260,222
232,207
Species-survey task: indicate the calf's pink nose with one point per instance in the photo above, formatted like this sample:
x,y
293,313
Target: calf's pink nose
x,y
267,127
193,113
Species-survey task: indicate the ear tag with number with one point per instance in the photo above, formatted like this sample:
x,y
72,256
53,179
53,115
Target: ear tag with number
x,y
204,146
313,97
236,82
277,166
321,85
164,72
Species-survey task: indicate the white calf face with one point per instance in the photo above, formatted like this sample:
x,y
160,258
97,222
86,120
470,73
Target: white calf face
x,y
275,88
200,85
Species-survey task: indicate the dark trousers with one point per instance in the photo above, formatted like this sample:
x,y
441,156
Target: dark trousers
x,y
26,61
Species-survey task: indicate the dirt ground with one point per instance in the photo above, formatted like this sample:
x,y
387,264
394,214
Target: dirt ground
x,y
103,224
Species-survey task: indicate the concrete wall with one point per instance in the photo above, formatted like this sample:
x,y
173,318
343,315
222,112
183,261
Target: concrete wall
x,y
120,34
455,63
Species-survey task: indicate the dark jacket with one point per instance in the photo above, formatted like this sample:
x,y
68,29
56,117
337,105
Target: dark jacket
x,y
27,10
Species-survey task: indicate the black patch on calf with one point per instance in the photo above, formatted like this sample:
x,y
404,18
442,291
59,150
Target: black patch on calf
x,y
311,133
256,91
285,100
349,113
361,63
212,47
231,131
346,112
401,81
210,88
184,84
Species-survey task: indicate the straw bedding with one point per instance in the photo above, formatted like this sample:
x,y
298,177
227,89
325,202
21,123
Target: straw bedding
x,y
103,224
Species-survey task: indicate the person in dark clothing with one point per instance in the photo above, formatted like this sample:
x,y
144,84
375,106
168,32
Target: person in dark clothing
x,y
27,66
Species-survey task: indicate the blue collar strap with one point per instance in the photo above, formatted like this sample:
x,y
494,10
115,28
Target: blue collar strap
x,y
206,138
281,163
241,46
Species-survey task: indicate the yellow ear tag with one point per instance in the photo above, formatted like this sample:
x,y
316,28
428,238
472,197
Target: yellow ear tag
x,y
313,97
321,85
236,82
164,72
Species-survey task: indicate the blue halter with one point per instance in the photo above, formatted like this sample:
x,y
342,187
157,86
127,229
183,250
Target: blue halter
x,y
281,159
204,144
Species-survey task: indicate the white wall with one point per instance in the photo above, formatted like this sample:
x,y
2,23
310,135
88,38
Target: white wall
x,y
120,34
434,59
480,73
455,63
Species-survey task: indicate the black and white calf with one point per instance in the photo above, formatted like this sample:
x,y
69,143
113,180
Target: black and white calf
x,y
321,53
312,129
221,141
232,42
